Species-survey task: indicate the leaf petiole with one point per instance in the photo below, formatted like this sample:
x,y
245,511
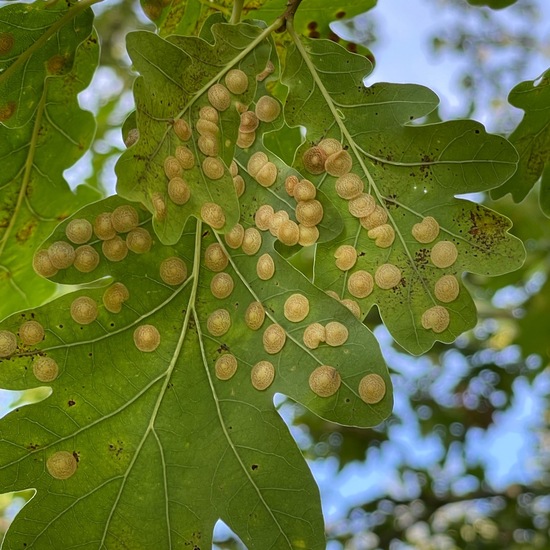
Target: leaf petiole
x,y
237,11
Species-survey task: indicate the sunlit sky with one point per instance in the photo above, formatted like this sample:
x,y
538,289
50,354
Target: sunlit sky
x,y
404,53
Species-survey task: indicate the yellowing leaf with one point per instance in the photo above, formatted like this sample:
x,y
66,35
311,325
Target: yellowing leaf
x,y
36,41
34,195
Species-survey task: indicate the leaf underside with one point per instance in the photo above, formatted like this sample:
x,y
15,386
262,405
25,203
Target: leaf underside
x,y
412,171
161,424
35,196
25,61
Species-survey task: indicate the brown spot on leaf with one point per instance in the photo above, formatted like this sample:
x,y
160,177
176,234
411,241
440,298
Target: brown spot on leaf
x,y
26,232
152,11
56,63
6,42
7,110
426,160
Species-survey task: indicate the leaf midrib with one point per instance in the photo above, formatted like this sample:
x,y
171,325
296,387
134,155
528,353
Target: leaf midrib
x,y
354,147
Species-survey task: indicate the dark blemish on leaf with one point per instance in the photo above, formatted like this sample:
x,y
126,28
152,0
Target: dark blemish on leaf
x,y
205,234
90,354
6,42
422,256
312,25
55,64
348,400
254,466
352,47
477,131
32,446
7,111
333,36
60,326
76,456
341,14
390,201
222,348
71,403
314,34
487,228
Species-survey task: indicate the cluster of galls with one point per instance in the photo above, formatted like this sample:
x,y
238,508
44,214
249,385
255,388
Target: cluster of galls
x,y
220,98
107,228
308,211
329,156
325,380
443,254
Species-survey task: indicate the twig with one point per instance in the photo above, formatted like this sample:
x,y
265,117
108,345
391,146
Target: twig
x,y
291,8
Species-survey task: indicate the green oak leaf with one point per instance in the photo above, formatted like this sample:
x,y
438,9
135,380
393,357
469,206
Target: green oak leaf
x,y
314,17
411,171
159,443
34,194
184,17
532,140
175,78
36,40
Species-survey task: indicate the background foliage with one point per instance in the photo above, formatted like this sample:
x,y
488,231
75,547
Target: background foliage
x,y
441,489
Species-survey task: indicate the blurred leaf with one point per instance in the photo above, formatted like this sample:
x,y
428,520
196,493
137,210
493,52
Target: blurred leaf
x,y
162,424
537,316
494,4
185,17
35,196
411,172
36,40
532,140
